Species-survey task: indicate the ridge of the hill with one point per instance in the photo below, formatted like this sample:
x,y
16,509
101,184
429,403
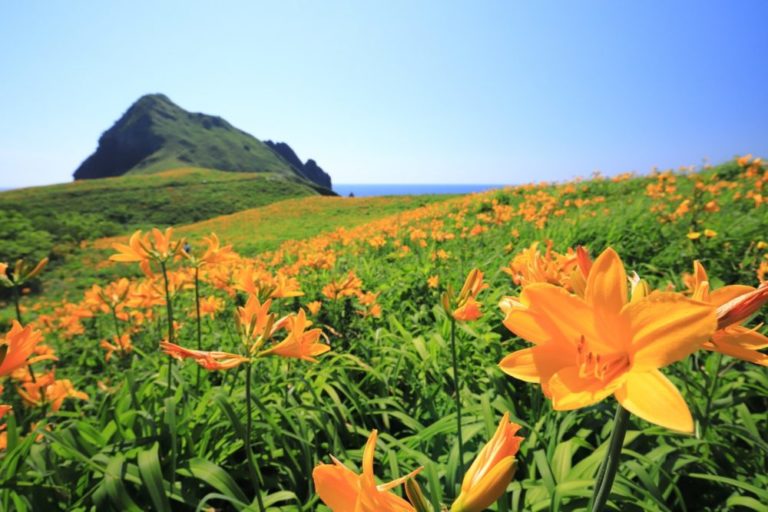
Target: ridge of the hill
x,y
155,134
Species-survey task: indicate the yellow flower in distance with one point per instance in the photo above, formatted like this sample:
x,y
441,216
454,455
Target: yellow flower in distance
x,y
586,349
492,470
343,490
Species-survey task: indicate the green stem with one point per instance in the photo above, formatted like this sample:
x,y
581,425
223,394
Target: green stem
x,y
169,312
199,324
117,324
248,426
610,465
457,397
711,393
16,302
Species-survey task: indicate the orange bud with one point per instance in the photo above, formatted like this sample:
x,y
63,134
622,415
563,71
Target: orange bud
x,y
492,470
742,307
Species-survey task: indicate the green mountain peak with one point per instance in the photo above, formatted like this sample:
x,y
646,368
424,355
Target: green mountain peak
x,y
155,135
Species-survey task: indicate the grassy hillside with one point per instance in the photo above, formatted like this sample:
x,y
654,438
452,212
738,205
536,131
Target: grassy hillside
x,y
167,435
250,232
88,209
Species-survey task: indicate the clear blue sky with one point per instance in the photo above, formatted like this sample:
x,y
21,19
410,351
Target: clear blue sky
x,y
397,91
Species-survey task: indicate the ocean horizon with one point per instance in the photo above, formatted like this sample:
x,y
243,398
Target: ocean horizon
x,y
396,189
409,189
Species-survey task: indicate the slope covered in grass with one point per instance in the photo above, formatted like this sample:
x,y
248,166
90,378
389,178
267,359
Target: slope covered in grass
x,y
88,209
250,232
151,436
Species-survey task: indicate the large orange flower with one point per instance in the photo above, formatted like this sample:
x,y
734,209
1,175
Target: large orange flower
x,y
16,347
586,349
734,303
343,490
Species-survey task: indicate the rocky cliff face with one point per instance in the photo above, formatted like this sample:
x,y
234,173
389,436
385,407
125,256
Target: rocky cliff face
x,y
155,134
309,169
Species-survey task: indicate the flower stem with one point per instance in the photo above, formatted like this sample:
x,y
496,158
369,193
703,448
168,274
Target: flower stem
x,y
16,302
457,398
607,472
248,426
711,392
199,325
169,311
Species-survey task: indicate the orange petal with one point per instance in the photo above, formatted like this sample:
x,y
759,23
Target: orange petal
x,y
521,365
607,284
564,316
525,323
651,396
337,486
571,391
728,293
666,327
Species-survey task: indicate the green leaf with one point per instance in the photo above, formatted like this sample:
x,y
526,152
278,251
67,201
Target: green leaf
x,y
152,476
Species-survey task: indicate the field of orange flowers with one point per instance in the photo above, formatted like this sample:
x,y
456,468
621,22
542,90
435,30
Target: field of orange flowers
x,y
591,345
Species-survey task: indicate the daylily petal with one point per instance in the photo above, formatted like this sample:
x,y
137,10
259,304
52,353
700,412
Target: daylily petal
x,y
607,284
571,391
666,328
727,293
651,396
337,486
566,317
525,323
539,363
742,336
521,365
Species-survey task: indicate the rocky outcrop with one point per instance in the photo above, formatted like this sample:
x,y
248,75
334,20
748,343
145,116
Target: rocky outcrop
x,y
309,169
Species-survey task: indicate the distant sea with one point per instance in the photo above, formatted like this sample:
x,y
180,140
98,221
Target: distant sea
x,y
404,189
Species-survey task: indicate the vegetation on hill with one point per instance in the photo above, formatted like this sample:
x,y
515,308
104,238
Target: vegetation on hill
x,y
249,231
252,408
156,135
54,219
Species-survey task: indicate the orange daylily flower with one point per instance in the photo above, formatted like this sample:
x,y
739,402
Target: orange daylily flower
x,y
46,389
155,245
255,323
214,253
300,343
61,389
211,305
121,344
135,251
343,490
492,470
466,308
347,287
206,359
22,272
314,307
586,349
17,346
433,281
735,304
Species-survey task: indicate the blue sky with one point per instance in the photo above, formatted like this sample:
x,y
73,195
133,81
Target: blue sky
x,y
397,91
